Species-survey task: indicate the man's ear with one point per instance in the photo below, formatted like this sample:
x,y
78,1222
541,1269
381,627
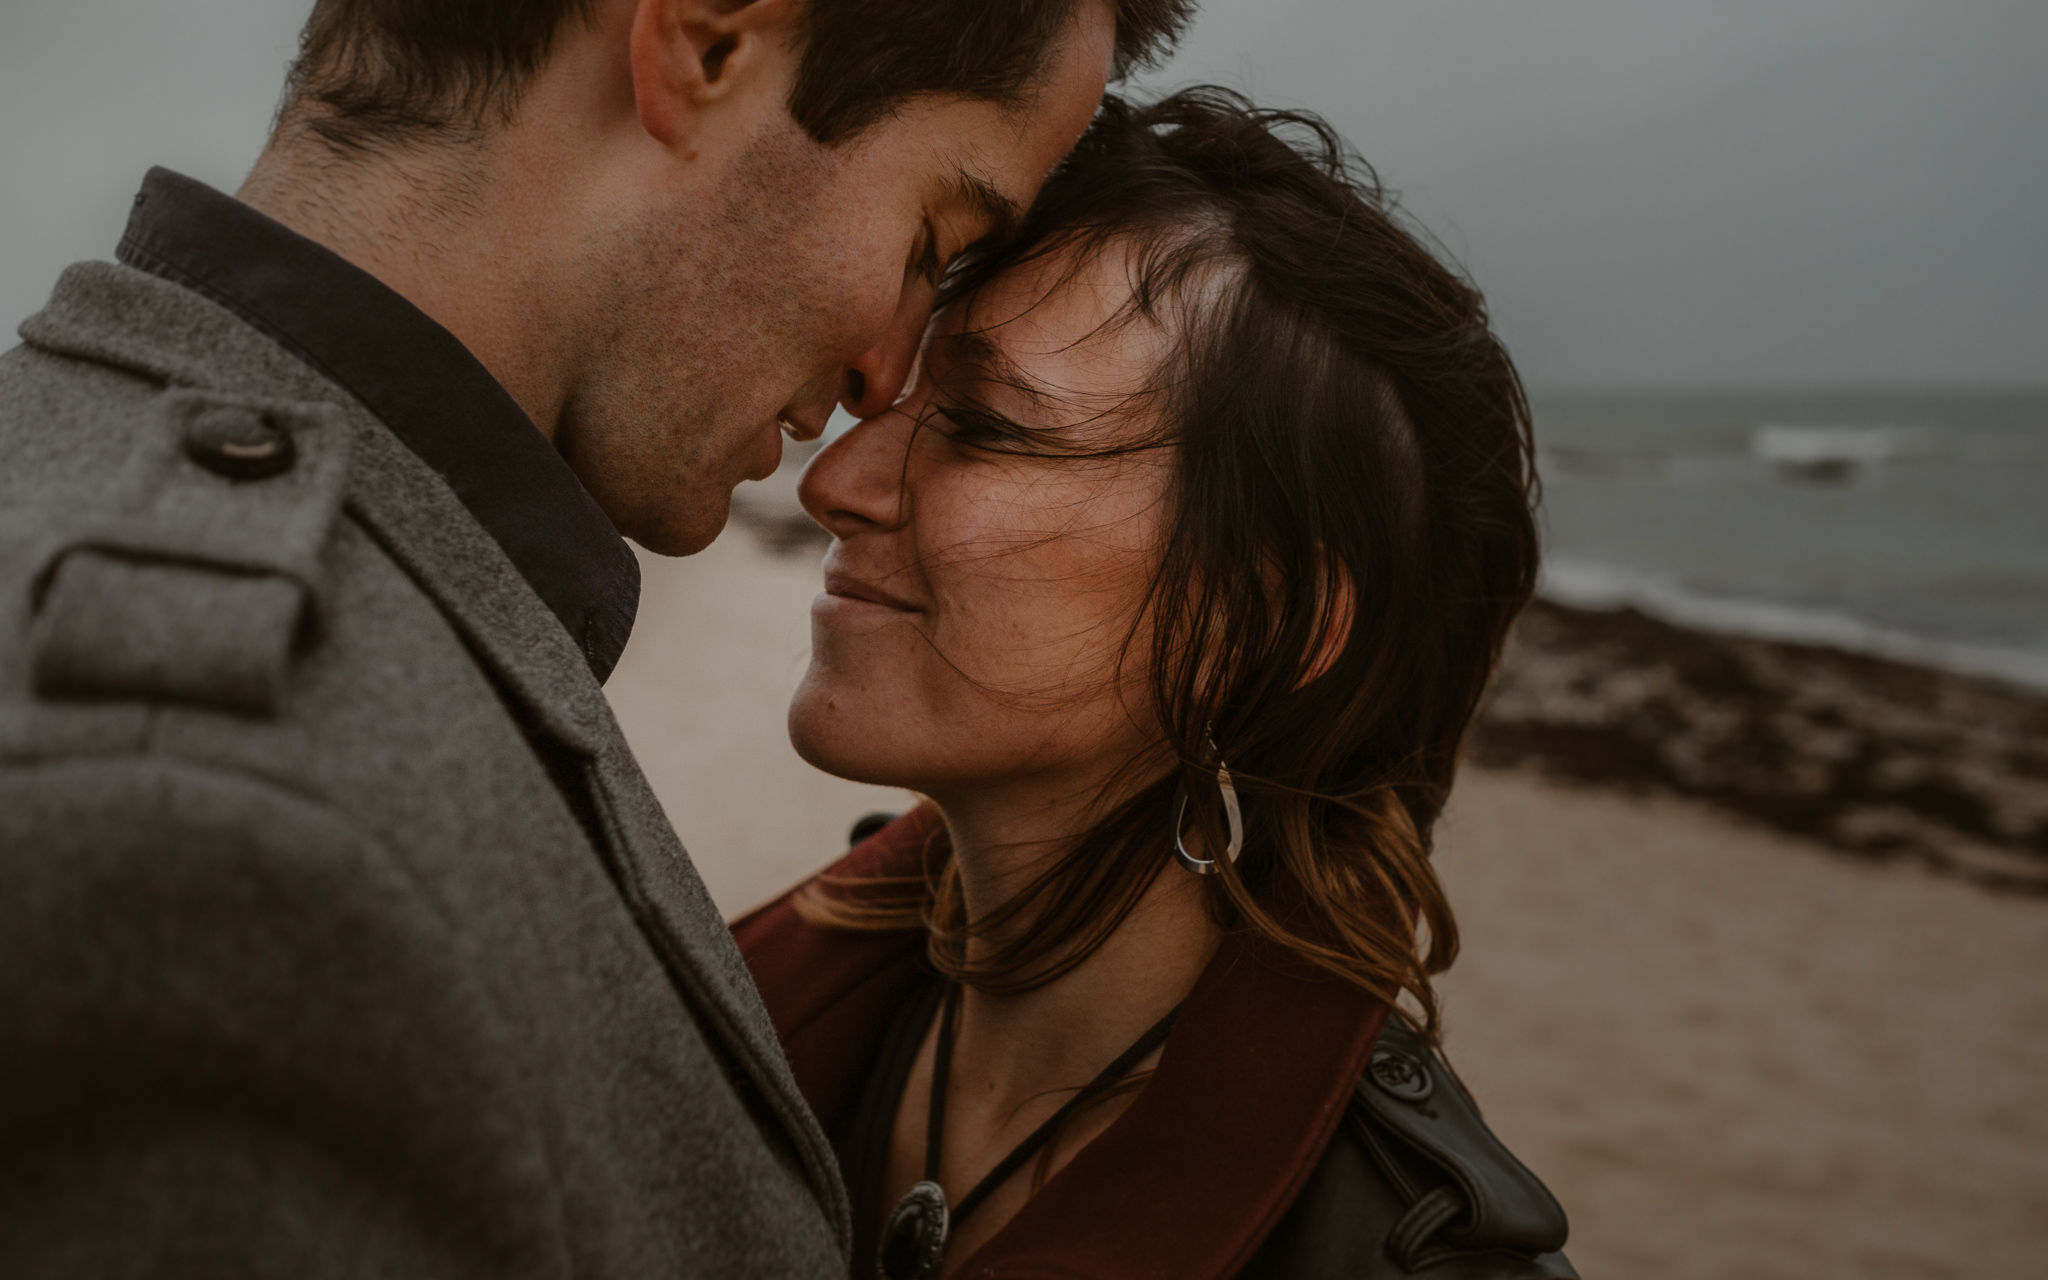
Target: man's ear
x,y
689,54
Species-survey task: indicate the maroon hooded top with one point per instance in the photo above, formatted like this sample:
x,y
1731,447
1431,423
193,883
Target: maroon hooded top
x,y
1192,1177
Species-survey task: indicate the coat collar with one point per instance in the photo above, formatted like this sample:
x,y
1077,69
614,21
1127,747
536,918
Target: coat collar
x,y
419,380
1193,1177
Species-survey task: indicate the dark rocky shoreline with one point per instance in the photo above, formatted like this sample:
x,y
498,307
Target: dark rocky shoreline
x,y
1871,757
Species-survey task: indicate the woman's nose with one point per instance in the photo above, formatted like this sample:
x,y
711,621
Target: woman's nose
x,y
877,379
857,482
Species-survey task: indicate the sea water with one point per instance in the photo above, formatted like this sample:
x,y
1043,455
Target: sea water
x,y
1912,527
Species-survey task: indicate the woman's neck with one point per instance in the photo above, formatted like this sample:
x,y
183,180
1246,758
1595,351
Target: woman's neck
x,y
1058,1036
1083,1019
1018,1058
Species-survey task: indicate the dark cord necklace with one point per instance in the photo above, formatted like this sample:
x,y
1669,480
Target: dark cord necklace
x,y
916,1235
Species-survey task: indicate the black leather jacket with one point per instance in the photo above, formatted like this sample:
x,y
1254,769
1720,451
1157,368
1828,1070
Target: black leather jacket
x,y
1416,1187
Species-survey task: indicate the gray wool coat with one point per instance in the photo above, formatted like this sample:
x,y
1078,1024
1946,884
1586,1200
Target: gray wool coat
x,y
308,967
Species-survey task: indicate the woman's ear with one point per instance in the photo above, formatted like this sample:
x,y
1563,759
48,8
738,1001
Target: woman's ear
x,y
688,55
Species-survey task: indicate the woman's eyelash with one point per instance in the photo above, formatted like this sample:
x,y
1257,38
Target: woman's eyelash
x,y
969,425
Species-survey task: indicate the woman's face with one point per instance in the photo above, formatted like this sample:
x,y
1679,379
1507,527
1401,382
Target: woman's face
x,y
978,602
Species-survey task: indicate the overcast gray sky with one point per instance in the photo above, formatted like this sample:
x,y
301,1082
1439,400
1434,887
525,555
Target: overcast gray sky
x,y
1655,193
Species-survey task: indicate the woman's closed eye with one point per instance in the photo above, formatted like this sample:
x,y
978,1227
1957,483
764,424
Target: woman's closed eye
x,y
977,428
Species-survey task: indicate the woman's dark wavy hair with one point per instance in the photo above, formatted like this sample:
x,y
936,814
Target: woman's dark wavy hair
x,y
1352,469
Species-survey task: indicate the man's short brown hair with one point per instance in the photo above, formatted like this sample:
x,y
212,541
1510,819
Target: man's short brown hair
x,y
371,73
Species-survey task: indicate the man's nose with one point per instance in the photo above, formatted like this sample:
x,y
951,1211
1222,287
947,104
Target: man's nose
x,y
876,380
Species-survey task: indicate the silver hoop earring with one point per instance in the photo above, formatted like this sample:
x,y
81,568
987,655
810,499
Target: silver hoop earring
x,y
1208,866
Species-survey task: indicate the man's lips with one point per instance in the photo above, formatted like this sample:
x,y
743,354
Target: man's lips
x,y
850,588
800,426
788,422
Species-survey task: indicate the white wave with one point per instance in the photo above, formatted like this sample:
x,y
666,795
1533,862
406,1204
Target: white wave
x,y
1803,445
1584,585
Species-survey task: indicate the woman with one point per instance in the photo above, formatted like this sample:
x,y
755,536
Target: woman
x,y
1173,586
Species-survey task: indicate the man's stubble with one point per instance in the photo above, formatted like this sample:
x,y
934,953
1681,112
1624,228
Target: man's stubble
x,y
715,317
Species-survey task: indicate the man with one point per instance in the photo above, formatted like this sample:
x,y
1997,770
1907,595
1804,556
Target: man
x,y
339,933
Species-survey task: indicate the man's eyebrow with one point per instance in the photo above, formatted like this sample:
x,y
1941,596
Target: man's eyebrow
x,y
1004,214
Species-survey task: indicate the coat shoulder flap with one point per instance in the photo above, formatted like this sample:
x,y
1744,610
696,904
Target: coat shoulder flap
x,y
199,574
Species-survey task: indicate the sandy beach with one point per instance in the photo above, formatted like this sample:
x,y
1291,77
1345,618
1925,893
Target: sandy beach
x,y
1732,1051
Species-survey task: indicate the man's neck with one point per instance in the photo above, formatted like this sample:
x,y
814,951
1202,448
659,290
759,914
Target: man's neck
x,y
446,229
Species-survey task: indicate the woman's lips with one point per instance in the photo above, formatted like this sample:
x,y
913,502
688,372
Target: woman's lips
x,y
841,586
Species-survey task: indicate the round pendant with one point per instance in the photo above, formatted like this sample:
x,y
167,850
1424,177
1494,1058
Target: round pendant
x,y
916,1235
